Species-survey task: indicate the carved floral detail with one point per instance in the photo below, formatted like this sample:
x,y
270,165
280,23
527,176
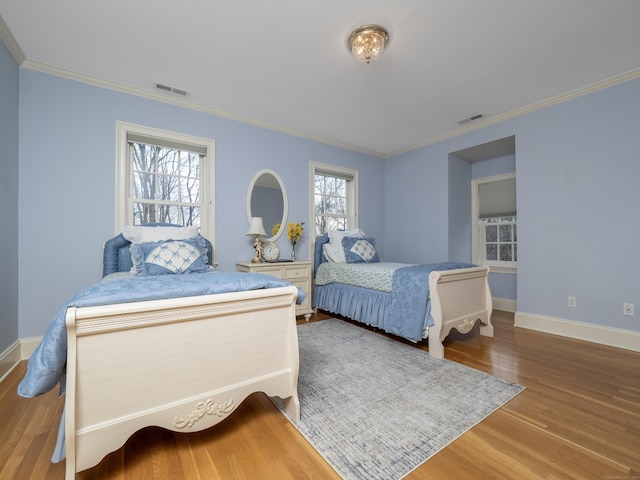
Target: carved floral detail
x,y
204,408
466,326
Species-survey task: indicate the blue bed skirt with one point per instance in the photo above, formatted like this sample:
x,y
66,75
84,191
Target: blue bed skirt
x,y
355,303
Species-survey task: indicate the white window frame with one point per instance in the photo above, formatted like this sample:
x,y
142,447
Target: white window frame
x,y
351,175
478,235
124,199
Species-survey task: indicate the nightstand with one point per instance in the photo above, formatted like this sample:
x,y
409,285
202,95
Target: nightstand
x,y
298,273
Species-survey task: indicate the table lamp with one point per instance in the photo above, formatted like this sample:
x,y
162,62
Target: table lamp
x,y
256,229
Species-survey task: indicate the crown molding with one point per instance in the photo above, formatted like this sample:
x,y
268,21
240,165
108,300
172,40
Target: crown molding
x,y
610,82
185,103
181,102
7,37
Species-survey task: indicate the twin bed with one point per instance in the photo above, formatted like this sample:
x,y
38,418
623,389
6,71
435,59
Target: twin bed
x,y
183,351
176,351
410,301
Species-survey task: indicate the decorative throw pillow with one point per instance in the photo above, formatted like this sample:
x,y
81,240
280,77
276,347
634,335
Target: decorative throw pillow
x,y
333,250
144,234
170,257
359,250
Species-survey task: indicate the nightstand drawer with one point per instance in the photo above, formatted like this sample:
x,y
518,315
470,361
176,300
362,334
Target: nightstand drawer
x,y
292,273
273,271
303,284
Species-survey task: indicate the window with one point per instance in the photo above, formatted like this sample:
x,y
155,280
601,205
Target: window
x,y
500,239
334,198
164,177
494,211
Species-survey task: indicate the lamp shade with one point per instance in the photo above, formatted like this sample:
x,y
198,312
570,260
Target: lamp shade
x,y
256,228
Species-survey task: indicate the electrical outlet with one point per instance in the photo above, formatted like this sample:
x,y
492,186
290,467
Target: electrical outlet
x,y
627,309
572,302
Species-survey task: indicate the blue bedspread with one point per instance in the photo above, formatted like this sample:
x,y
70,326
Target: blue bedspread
x,y
47,364
409,314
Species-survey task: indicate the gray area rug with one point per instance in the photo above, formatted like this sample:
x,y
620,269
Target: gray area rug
x,y
376,408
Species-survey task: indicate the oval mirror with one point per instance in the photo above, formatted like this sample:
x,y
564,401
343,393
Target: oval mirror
x,y
267,198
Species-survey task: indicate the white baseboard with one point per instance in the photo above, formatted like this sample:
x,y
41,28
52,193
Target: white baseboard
x,y
505,304
613,337
28,346
18,351
9,359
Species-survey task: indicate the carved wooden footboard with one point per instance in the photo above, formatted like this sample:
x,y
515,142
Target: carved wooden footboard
x,y
458,299
183,364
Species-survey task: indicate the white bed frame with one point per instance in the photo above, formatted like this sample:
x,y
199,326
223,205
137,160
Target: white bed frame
x,y
459,298
183,364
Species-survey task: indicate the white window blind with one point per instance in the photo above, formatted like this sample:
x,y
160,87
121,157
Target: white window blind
x,y
497,199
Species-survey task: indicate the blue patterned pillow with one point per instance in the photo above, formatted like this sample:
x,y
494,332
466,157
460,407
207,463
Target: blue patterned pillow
x,y
170,257
360,250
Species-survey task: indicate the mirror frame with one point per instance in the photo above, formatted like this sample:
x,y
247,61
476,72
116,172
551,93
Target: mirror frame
x,y
285,202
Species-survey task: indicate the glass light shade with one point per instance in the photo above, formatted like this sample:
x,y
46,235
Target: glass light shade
x,y
366,43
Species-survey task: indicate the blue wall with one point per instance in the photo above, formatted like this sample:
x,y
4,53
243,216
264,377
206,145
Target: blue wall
x,y
577,164
67,183
578,195
459,216
9,94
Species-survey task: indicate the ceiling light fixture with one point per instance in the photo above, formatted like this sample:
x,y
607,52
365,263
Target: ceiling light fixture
x,y
367,42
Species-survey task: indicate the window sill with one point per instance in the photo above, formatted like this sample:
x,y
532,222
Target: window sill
x,y
503,269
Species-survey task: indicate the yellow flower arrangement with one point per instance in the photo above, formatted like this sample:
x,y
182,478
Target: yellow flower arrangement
x,y
275,228
294,232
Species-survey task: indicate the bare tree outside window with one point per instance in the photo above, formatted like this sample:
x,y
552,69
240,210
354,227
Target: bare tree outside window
x,y
331,203
501,239
334,197
164,177
165,185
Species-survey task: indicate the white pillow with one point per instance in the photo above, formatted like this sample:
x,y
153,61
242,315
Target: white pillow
x,y
336,236
333,250
142,234
333,254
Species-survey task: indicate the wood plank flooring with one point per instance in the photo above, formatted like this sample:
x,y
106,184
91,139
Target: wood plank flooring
x,y
579,418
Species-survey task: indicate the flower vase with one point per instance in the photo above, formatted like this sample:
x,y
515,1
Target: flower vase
x,y
293,252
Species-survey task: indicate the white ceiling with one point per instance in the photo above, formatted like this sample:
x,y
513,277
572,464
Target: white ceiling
x,y
284,64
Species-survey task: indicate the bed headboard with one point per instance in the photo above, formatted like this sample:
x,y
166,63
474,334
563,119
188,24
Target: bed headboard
x,y
116,256
318,255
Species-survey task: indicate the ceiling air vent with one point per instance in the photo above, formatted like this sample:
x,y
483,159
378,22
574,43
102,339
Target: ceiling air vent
x,y
166,88
470,119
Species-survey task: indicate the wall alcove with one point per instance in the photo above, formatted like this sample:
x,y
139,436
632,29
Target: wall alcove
x,y
468,169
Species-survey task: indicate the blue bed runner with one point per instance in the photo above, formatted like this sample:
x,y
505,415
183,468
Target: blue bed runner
x,y
409,315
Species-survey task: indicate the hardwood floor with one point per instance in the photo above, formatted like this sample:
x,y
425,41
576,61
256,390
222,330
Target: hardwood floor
x,y
579,418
